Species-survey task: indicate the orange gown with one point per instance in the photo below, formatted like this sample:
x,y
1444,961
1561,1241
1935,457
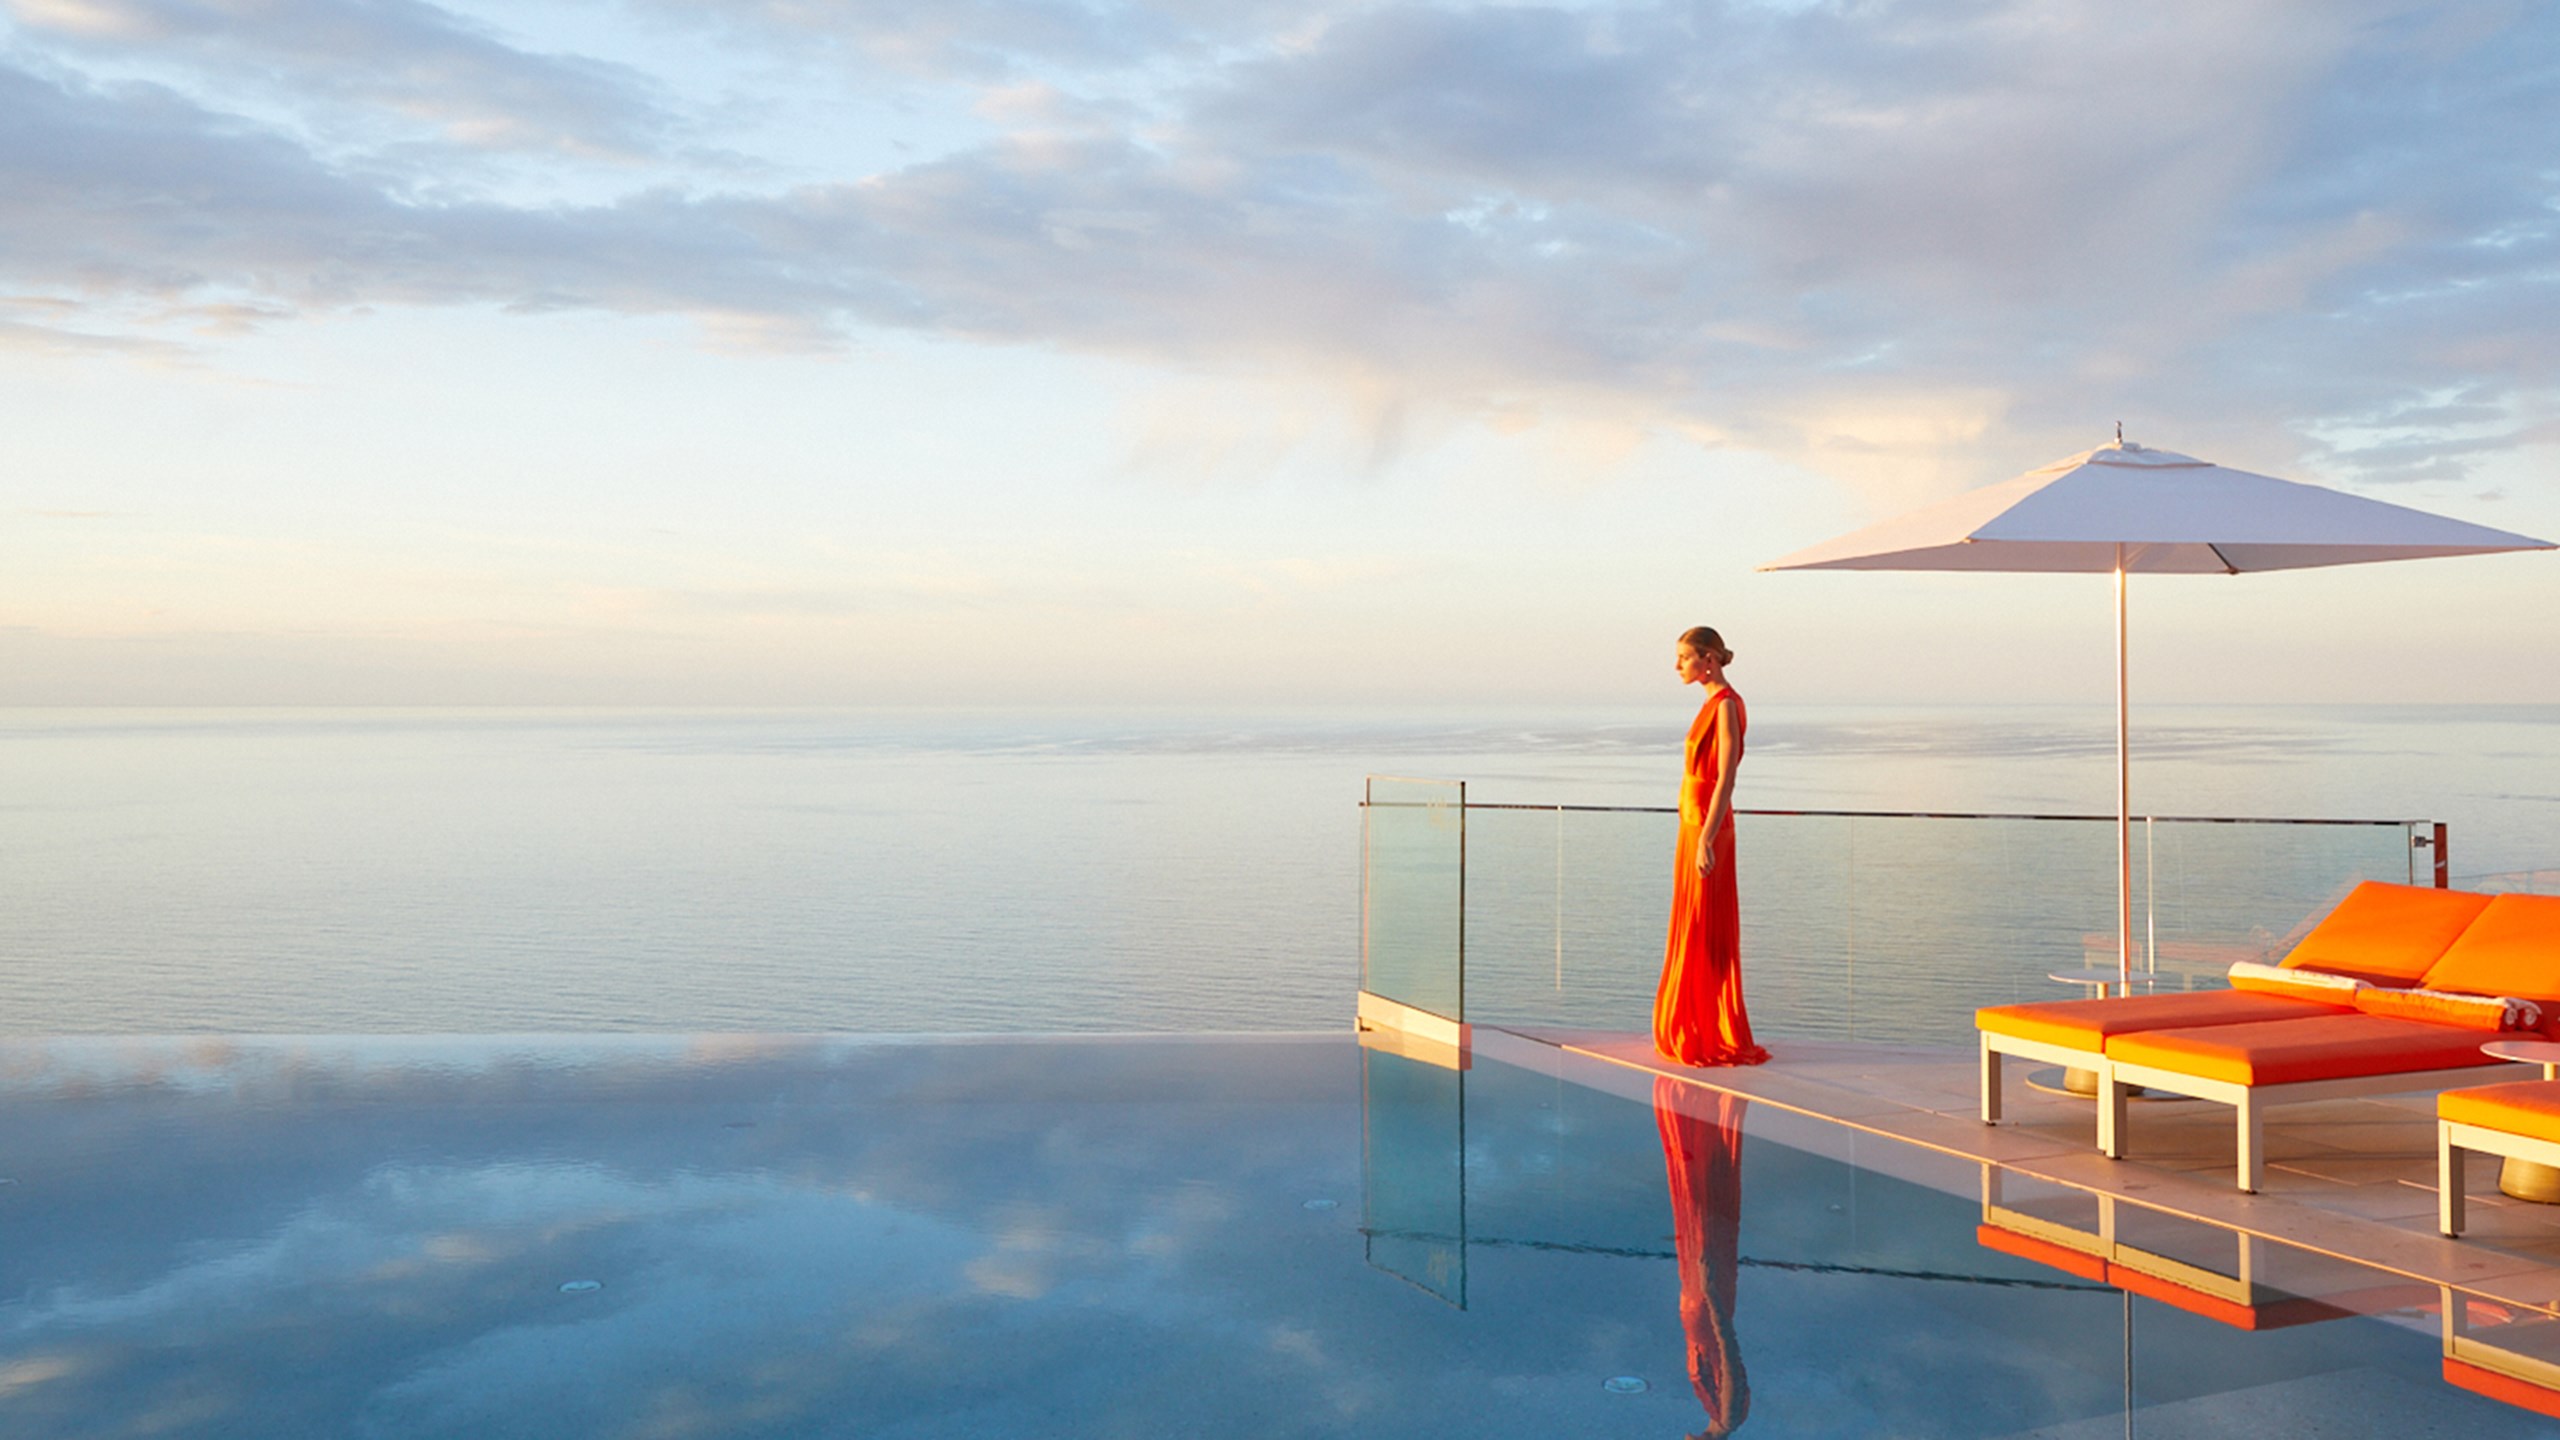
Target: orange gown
x,y
1702,1157
1698,1017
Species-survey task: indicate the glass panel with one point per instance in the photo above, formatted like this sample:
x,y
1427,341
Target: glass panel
x,y
1412,887
1946,916
2521,882
1888,928
1413,1176
2224,892
1565,915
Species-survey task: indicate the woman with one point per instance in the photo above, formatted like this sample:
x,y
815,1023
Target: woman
x,y
1698,1017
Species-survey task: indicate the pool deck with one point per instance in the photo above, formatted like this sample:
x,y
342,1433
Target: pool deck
x,y
2351,1180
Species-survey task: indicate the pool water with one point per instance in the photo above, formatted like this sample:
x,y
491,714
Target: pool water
x,y
1284,1235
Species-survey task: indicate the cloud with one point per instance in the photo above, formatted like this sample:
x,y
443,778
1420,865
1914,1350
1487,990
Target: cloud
x,y
1003,40
1864,237
55,340
136,190
395,59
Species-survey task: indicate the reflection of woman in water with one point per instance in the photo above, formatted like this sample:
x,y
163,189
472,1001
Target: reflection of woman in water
x,y
1703,1159
1697,1013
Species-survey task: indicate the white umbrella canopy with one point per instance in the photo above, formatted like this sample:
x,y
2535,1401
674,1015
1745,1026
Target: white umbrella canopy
x,y
2174,515
2123,508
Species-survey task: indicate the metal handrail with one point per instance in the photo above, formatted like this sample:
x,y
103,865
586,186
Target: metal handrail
x,y
1931,814
2423,834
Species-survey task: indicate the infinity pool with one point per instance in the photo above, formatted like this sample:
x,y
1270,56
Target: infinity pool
x,y
1238,1236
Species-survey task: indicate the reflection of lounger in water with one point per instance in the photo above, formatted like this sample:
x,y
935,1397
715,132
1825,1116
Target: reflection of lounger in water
x,y
1703,1160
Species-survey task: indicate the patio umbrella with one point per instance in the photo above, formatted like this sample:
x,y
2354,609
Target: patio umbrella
x,y
2126,508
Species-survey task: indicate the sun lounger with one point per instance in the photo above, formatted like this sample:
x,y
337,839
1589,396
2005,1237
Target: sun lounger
x,y
2249,1067
2519,1120
2075,1033
2503,969
2379,934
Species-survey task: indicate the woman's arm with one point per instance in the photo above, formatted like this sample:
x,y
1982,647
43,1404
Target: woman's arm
x,y
1720,796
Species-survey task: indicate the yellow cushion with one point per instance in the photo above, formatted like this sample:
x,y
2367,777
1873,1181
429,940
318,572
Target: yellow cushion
x,y
2086,1024
2512,949
2387,933
2519,1107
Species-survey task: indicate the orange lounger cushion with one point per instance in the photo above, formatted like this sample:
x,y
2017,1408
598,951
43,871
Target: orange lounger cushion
x,y
2288,1052
2388,933
2520,1107
2512,949
2086,1024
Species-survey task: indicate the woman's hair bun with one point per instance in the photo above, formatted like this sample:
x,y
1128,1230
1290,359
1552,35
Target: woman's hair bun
x,y
1705,641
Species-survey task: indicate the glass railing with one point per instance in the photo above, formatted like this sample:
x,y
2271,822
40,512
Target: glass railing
x,y
2520,882
1884,927
1413,873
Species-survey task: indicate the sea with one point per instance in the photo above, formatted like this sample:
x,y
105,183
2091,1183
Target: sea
x,y
909,872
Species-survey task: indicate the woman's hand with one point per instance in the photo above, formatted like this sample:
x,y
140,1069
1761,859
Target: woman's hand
x,y
1706,854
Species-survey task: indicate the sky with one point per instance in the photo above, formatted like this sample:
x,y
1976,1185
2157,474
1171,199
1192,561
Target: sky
x,y
1174,352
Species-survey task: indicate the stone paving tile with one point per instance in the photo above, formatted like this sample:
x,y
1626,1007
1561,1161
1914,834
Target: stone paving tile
x,y
1964,1135
2075,1132
2351,1170
1897,1081
2390,1203
2498,1223
1774,1083
2398,1142
2417,1102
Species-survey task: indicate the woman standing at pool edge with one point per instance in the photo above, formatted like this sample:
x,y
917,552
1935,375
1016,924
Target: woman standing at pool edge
x,y
1698,1017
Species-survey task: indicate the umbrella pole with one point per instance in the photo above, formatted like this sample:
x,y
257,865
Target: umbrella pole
x,y
2124,804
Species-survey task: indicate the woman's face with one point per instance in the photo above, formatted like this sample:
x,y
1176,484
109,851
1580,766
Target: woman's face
x,y
1694,668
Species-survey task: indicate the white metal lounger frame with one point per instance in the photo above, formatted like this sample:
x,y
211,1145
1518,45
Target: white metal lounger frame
x,y
2251,1101
1995,1046
2453,1138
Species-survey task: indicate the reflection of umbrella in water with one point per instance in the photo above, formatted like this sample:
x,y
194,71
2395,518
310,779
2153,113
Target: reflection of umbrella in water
x,y
2123,508
1702,1157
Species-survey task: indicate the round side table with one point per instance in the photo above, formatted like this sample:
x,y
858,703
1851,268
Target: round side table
x,y
2076,1081
2102,976
2525,1179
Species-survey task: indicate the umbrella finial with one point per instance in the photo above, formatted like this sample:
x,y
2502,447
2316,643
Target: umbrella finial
x,y
2119,432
